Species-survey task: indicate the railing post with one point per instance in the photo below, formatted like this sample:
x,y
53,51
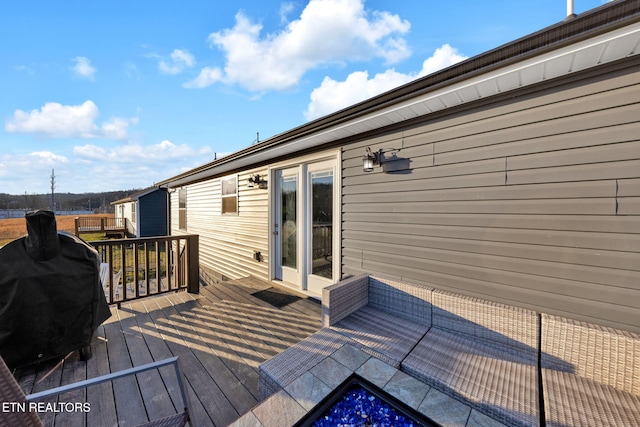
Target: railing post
x,y
193,257
77,226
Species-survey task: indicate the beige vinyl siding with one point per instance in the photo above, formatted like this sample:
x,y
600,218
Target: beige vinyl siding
x,y
228,242
533,200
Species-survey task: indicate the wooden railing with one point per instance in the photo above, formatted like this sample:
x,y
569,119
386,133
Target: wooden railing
x,y
87,224
136,268
322,240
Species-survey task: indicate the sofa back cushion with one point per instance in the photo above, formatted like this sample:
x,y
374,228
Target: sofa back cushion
x,y
410,301
602,354
494,323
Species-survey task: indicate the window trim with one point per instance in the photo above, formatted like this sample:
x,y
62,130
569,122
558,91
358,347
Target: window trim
x,y
229,196
182,210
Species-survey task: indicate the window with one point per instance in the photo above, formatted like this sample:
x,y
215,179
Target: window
x,y
133,212
230,195
182,209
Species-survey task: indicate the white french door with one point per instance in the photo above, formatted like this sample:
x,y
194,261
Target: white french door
x,y
286,230
306,225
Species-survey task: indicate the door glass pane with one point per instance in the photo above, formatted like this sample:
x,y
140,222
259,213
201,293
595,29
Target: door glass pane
x,y
322,222
289,193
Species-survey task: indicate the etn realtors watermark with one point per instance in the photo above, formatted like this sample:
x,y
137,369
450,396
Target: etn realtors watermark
x,y
55,407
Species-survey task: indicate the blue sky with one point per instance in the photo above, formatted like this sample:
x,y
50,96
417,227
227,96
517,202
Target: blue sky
x,y
117,95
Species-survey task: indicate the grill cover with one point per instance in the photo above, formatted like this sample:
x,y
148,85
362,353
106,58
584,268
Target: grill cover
x,y
51,298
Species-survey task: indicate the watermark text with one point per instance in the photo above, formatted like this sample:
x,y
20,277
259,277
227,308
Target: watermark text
x,y
55,407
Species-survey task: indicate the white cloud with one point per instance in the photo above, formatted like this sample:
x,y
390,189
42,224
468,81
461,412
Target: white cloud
x,y
48,158
83,68
67,121
334,95
137,153
56,120
328,31
443,57
207,77
116,128
180,60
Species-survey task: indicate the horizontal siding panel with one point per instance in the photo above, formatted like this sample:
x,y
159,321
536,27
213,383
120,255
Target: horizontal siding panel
x,y
584,138
600,206
618,224
417,183
468,263
572,190
629,206
439,245
598,154
536,129
600,171
585,240
628,187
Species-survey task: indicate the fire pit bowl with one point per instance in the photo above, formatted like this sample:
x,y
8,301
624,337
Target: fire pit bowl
x,y
357,402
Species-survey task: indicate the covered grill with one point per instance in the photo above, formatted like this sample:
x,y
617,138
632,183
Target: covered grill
x,y
51,298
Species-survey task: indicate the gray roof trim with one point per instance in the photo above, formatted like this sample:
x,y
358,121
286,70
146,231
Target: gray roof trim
x,y
135,196
602,35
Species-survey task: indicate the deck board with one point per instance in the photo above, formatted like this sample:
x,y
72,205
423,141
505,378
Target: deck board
x,y
221,334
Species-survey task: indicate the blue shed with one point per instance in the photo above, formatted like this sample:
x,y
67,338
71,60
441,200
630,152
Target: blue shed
x,y
146,212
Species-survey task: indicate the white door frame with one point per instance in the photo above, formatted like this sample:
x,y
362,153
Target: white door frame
x,y
303,280
280,231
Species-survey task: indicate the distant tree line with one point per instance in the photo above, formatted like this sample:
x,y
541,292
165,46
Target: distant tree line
x,y
95,202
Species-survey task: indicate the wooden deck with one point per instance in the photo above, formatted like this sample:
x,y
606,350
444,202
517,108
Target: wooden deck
x,y
221,334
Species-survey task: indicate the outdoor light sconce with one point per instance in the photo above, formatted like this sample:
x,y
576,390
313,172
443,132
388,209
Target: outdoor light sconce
x,y
256,180
370,160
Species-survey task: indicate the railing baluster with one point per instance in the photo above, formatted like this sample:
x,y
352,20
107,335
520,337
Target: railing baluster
x,y
110,258
169,255
147,268
175,259
136,266
158,266
178,262
123,252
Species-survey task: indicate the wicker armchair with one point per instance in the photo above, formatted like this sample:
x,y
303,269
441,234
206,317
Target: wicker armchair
x,y
10,391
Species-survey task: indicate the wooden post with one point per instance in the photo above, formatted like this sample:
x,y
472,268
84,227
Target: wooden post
x,y
193,258
77,226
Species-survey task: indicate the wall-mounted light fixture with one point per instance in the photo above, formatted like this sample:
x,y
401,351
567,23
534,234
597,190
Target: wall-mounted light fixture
x,y
370,160
256,180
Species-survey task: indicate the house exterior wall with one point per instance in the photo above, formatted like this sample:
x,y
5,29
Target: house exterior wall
x,y
126,210
153,214
227,241
532,200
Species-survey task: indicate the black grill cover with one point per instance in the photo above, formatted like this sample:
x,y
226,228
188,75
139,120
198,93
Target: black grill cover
x,y
51,298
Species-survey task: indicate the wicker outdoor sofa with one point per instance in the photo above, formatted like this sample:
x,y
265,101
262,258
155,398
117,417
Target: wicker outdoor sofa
x,y
517,366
